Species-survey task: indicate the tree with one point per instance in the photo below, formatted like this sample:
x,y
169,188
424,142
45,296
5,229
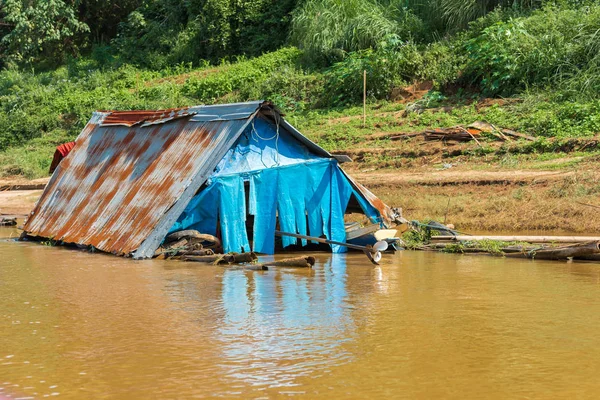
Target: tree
x,y
38,30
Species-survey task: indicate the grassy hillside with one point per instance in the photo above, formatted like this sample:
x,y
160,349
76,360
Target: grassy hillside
x,y
536,72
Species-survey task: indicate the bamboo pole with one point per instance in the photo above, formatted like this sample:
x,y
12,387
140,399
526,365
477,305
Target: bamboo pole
x,y
364,98
321,240
528,239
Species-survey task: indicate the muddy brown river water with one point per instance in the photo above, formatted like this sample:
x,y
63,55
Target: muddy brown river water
x,y
91,326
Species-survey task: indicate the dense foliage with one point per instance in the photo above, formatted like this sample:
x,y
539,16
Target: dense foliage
x,y
62,59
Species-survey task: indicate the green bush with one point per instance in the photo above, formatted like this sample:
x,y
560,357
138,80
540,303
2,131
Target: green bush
x,y
550,48
162,33
393,65
236,76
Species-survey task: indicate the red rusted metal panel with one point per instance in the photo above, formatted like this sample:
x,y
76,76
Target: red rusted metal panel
x,y
116,185
60,153
130,118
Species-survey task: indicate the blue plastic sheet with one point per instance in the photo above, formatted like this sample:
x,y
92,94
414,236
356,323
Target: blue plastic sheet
x,y
232,213
260,147
310,199
201,212
309,193
341,190
263,193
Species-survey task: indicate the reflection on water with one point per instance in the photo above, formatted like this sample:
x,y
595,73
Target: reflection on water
x,y
422,325
274,329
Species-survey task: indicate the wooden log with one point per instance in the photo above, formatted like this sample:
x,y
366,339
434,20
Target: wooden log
x,y
5,221
593,257
209,259
222,259
528,239
241,258
298,262
256,267
561,253
178,244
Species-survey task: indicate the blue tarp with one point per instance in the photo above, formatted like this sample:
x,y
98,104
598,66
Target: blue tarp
x,y
309,194
263,145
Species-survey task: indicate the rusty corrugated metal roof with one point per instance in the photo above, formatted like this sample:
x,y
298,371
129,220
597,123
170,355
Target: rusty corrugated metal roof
x,y
122,187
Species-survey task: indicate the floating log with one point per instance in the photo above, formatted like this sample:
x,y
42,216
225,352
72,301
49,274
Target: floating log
x,y
561,253
298,262
249,268
240,258
528,239
222,259
209,259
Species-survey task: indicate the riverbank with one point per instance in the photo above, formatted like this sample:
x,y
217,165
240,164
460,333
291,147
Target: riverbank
x,y
493,200
473,195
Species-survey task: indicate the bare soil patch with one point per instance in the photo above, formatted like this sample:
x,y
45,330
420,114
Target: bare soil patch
x,y
18,202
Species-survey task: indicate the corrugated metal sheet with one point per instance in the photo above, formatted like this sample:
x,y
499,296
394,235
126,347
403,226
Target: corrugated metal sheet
x,y
120,185
131,174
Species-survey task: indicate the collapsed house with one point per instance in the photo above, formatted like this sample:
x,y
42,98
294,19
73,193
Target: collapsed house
x,y
237,171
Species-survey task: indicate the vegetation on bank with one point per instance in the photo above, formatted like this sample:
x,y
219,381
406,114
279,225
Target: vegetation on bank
x,y
307,56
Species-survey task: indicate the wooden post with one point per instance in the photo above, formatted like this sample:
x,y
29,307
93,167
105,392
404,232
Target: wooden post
x,y
365,98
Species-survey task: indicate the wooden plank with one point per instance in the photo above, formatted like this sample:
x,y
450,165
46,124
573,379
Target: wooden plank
x,y
353,234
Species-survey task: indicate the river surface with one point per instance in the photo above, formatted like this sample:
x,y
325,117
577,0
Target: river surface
x,y
76,325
